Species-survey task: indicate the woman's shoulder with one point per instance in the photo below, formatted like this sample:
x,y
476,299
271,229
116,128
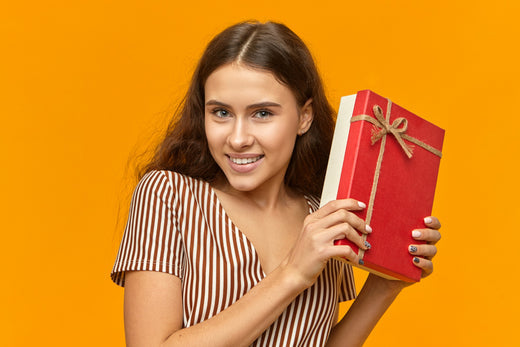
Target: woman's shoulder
x,y
167,183
155,179
166,175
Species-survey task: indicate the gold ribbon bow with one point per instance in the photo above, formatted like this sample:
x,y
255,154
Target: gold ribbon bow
x,y
398,128
394,129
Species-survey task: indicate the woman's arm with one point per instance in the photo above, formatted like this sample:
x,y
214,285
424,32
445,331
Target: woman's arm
x,y
370,305
153,311
378,293
153,301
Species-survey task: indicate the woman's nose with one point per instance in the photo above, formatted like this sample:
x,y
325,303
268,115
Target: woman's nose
x,y
240,135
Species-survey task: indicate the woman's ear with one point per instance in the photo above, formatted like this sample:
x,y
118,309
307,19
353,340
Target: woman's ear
x,y
306,117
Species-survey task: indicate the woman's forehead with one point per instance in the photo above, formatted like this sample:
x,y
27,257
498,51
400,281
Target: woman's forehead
x,y
237,83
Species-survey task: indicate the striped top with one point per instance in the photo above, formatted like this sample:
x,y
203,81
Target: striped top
x,y
177,225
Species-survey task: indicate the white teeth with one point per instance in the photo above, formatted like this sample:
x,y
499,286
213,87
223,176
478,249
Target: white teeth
x,y
243,161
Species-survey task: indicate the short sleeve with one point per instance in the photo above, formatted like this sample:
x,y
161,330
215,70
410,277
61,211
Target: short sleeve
x,y
151,241
347,289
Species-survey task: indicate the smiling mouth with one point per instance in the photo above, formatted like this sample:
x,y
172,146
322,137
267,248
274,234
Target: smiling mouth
x,y
244,161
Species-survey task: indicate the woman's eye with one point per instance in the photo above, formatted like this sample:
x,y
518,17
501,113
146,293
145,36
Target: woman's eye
x,y
221,113
263,114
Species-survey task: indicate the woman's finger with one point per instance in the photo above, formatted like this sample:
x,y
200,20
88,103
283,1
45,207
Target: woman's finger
x,y
344,251
432,222
431,236
327,235
425,250
344,216
335,205
425,264
336,217
345,231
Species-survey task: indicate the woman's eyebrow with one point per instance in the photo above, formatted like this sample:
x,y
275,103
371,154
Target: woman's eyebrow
x,y
264,104
216,103
213,102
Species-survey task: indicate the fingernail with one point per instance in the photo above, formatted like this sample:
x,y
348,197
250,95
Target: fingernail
x,y
361,262
361,204
416,260
368,245
412,249
416,233
428,220
368,228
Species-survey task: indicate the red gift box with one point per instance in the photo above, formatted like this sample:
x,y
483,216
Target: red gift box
x,y
388,158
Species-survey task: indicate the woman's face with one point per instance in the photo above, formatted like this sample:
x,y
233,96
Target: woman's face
x,y
251,123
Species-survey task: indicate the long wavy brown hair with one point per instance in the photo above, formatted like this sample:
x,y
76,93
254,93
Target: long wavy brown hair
x,y
268,47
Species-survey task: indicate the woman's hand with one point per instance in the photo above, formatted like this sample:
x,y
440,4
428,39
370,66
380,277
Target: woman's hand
x,y
315,244
423,253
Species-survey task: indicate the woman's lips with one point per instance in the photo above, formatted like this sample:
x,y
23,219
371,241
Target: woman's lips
x,y
244,164
242,161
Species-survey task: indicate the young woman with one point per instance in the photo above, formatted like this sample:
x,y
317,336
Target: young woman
x,y
224,244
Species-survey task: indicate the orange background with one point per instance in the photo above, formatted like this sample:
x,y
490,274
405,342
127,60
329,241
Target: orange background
x,y
87,84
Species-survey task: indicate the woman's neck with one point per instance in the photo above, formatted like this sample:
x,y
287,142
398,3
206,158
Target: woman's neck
x,y
266,197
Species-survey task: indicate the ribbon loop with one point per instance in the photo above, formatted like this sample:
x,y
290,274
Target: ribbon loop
x,y
395,129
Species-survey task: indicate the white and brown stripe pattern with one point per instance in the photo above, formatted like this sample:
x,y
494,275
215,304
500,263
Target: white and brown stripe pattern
x,y
177,225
